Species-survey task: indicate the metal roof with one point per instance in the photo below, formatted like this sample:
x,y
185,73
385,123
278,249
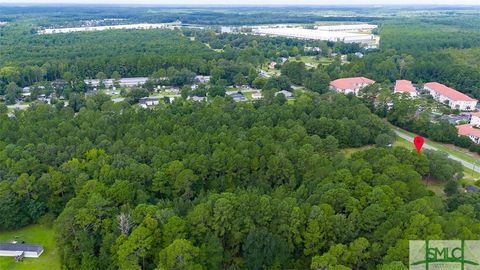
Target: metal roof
x,y
20,247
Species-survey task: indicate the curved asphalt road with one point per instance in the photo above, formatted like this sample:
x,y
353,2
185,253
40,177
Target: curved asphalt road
x,y
474,167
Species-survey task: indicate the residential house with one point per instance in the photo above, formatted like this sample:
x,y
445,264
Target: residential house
x,y
146,102
451,97
237,97
286,93
197,98
272,65
257,95
359,54
202,79
350,85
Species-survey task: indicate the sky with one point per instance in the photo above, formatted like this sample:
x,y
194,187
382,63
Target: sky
x,y
255,2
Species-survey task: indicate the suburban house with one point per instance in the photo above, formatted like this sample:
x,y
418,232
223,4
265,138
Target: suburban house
x,y
20,250
350,85
475,119
272,65
257,95
202,79
286,93
450,97
148,101
405,86
197,98
470,131
237,97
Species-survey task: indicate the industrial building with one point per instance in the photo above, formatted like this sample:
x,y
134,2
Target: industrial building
x,y
123,82
143,26
451,97
301,33
347,27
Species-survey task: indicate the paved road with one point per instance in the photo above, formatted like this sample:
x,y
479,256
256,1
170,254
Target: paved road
x,y
467,164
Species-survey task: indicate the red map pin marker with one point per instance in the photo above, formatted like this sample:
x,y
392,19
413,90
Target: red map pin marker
x,y
418,141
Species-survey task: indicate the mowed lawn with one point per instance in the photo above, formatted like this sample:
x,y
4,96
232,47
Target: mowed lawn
x,y
34,234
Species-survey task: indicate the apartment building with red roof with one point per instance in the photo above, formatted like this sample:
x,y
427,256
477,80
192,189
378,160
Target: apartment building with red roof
x,y
451,97
405,86
350,85
475,119
470,131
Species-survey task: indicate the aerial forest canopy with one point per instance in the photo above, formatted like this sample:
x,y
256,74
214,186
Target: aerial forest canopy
x,y
222,185
266,184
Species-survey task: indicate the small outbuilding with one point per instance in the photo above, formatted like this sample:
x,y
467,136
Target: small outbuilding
x,y
20,250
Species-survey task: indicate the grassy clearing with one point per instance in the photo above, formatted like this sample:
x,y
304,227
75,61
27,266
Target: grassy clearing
x,y
404,143
399,142
470,176
248,95
313,60
34,234
436,187
348,152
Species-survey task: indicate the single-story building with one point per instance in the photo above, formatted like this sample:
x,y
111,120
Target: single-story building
x,y
359,54
405,86
286,93
149,101
470,188
20,250
350,85
123,82
257,95
202,79
197,98
237,97
451,97
272,65
470,131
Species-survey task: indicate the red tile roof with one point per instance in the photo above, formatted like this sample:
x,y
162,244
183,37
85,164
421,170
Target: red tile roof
x,y
475,114
350,83
448,92
404,86
468,130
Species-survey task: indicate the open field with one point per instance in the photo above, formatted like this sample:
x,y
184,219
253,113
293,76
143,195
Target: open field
x,y
350,151
399,142
314,61
34,234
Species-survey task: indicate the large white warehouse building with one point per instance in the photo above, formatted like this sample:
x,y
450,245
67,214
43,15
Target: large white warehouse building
x,y
143,26
302,33
347,27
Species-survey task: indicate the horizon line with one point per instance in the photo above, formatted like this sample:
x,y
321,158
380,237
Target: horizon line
x,y
68,3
